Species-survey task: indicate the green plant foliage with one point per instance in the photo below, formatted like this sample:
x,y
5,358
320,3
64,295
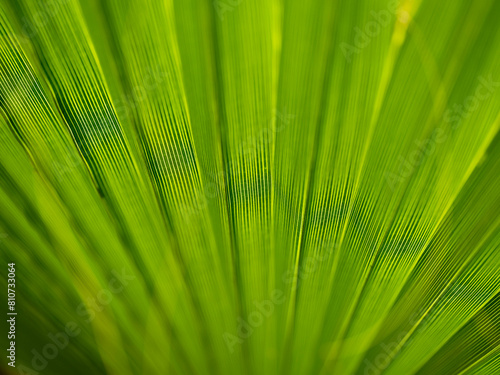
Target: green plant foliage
x,y
251,186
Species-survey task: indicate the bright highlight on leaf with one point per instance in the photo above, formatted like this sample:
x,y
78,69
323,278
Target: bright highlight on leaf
x,y
250,186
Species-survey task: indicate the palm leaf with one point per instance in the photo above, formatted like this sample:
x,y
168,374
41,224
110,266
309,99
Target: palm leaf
x,y
255,187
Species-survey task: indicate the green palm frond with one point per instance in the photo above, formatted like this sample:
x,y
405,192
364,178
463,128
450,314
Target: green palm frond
x,y
250,186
